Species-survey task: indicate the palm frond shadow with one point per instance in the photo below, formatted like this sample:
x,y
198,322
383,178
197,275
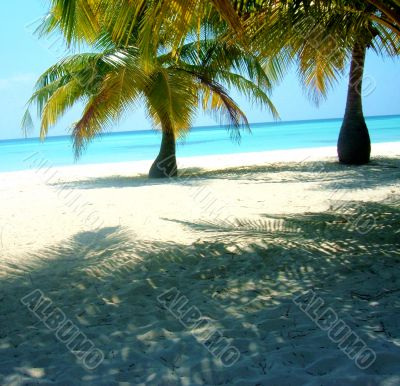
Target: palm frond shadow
x,y
238,274
348,220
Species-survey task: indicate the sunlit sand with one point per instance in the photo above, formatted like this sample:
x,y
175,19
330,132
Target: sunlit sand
x,y
238,237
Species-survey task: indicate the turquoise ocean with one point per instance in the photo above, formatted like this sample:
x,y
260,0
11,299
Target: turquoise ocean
x,y
201,141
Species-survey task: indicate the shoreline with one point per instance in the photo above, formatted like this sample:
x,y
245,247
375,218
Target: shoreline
x,y
206,162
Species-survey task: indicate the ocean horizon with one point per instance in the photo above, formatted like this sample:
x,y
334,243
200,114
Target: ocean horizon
x,y
143,145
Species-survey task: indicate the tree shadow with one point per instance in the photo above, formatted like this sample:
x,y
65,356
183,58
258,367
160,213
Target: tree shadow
x,y
380,172
241,276
115,181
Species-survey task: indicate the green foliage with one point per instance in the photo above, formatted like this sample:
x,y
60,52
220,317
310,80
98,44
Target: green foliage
x,y
120,74
316,36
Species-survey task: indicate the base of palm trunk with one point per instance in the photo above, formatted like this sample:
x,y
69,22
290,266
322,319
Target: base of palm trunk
x,y
354,144
164,167
165,164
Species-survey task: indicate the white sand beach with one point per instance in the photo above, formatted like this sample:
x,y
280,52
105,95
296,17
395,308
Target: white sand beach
x,y
236,238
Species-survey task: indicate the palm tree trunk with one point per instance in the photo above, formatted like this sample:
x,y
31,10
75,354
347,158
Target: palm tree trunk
x,y
354,144
165,164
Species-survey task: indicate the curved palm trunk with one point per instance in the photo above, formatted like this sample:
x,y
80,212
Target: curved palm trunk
x,y
354,144
165,164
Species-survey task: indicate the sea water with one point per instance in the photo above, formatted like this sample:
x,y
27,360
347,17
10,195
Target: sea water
x,y
211,140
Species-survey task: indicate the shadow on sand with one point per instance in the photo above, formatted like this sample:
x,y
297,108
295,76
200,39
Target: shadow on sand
x,y
380,172
241,276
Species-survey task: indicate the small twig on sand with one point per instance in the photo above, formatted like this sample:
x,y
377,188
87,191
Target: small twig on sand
x,y
374,297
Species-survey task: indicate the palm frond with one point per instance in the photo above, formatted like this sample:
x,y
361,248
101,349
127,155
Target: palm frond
x,y
253,92
27,124
318,71
78,20
118,93
172,97
58,103
222,107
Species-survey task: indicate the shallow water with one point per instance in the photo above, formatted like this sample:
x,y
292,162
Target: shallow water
x,y
211,140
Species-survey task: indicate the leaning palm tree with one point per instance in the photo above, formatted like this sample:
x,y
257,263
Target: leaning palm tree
x,y
116,80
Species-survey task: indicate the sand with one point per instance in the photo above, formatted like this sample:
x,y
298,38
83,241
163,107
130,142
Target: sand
x,y
234,242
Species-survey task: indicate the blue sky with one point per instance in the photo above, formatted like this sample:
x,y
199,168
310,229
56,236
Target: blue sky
x,y
25,57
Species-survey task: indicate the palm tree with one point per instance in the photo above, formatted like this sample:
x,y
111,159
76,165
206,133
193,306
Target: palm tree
x,y
283,31
113,81
320,38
